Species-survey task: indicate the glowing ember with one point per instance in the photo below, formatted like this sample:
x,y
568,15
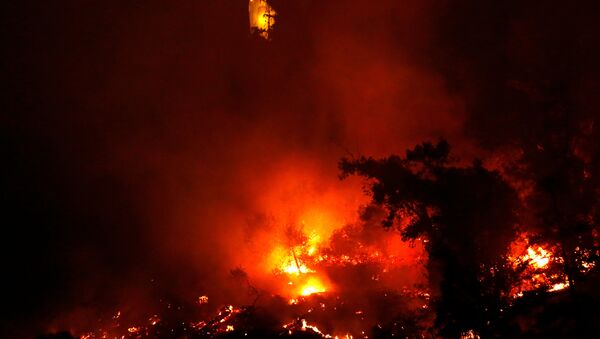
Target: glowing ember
x,y
154,320
559,286
302,325
202,299
305,326
470,334
133,329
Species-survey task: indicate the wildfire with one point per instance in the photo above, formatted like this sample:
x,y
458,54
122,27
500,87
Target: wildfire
x,y
538,258
313,285
470,334
305,255
559,286
298,262
202,299
133,329
299,274
262,17
302,325
153,320
538,267
292,265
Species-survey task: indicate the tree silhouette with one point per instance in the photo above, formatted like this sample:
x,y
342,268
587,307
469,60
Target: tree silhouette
x,y
467,215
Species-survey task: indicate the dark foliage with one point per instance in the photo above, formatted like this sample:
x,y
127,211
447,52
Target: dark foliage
x,y
529,75
467,216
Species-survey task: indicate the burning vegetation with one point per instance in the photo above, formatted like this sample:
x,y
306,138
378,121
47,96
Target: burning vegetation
x,y
342,286
261,18
467,196
455,228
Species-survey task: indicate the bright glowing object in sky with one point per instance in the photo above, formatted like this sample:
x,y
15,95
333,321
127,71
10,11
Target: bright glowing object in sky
x,y
261,17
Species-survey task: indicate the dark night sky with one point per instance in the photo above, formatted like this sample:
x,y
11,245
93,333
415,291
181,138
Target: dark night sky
x,y
136,135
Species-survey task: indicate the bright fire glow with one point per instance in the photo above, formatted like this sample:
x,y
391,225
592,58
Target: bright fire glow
x,y
295,253
538,258
291,267
305,325
202,299
261,17
538,267
313,285
559,286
